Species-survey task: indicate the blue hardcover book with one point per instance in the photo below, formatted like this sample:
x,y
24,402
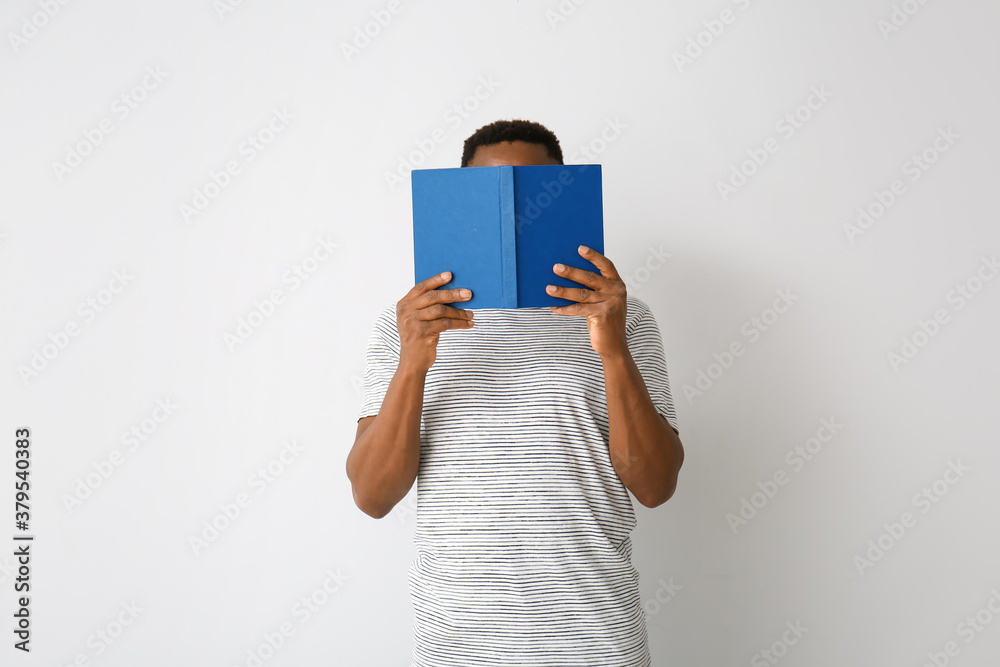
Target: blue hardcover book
x,y
499,230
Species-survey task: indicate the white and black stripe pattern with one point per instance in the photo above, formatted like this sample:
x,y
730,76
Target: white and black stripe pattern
x,y
522,536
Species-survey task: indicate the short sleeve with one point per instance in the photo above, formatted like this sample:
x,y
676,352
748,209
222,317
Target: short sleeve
x,y
646,347
381,360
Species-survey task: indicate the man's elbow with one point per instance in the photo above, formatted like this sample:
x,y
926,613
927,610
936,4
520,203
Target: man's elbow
x,y
372,509
665,492
652,500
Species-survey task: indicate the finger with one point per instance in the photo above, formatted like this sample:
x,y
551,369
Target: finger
x,y
572,309
445,323
438,311
428,284
604,265
443,296
582,276
580,294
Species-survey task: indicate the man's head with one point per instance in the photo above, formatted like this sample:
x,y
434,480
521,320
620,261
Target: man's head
x,y
516,142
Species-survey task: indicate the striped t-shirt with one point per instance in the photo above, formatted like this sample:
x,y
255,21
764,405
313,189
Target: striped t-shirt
x,y
523,553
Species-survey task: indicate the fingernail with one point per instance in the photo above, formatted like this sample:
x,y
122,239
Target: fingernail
x,y
465,293
559,267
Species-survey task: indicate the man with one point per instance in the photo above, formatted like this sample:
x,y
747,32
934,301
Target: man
x,y
524,428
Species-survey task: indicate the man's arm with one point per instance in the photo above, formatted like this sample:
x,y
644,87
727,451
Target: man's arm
x,y
384,460
385,457
645,451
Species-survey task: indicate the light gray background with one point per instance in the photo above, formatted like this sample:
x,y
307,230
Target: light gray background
x,y
602,75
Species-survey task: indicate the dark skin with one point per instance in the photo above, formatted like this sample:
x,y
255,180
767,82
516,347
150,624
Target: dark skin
x,y
645,450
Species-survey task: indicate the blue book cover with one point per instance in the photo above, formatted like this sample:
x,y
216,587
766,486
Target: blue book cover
x,y
499,230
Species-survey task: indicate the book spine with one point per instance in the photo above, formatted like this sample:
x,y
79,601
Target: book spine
x,y
508,250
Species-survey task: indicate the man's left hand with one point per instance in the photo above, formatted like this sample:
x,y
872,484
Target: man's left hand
x,y
604,304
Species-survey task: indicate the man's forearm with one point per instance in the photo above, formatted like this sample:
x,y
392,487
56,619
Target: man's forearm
x,y
384,461
645,451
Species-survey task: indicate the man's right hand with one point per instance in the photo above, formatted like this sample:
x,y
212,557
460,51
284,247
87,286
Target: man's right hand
x,y
422,315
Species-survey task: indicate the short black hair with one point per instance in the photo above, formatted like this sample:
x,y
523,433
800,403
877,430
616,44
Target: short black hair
x,y
512,130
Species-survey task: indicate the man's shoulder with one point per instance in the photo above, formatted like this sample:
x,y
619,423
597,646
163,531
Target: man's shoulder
x,y
385,321
637,304
388,313
637,310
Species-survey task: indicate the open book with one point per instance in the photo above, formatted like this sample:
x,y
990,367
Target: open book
x,y
499,230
